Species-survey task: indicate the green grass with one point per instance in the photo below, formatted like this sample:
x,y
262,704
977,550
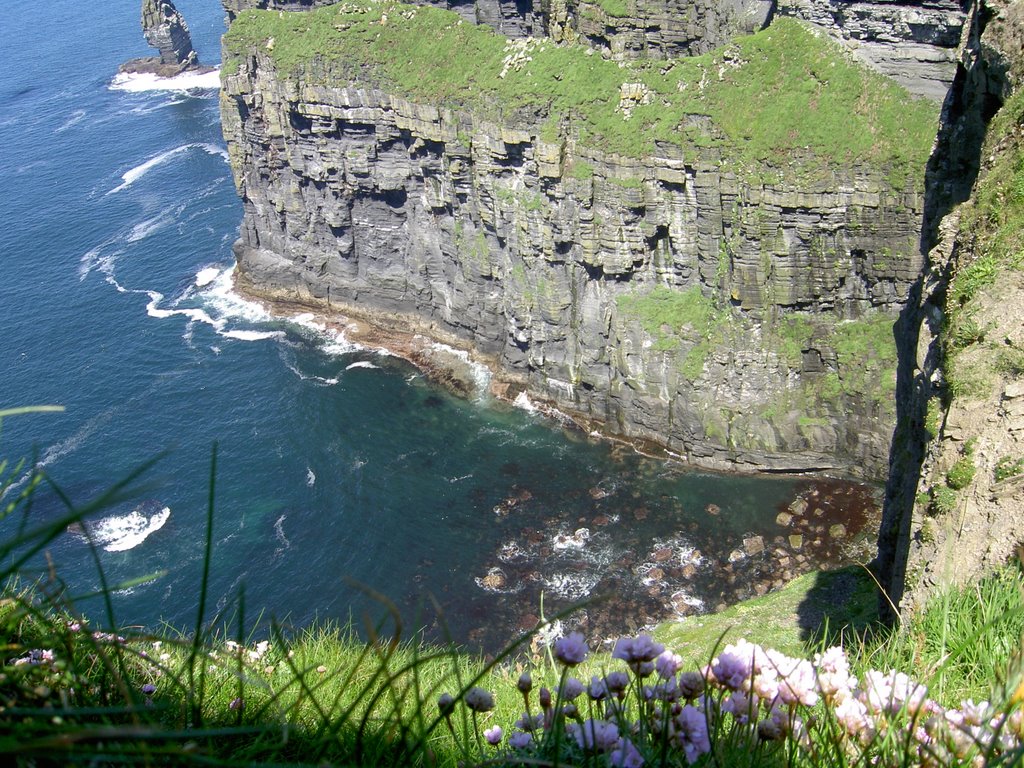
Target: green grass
x,y
961,473
669,311
1007,467
794,102
866,355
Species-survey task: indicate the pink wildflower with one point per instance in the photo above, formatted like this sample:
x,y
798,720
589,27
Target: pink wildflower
x,y
635,650
626,755
520,740
692,733
479,700
571,650
595,735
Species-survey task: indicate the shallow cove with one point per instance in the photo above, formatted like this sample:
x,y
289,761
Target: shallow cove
x,y
335,463
559,517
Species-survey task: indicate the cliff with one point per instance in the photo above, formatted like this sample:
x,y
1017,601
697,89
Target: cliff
x,y
956,485
708,253
914,43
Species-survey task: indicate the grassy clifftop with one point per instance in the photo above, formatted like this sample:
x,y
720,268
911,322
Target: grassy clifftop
x,y
785,98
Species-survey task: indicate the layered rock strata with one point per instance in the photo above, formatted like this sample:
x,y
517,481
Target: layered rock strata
x,y
165,29
514,18
723,313
914,43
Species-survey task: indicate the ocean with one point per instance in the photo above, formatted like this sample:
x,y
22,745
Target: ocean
x,y
343,475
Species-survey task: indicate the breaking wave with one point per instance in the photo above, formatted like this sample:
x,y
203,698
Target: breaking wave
x,y
137,82
119,533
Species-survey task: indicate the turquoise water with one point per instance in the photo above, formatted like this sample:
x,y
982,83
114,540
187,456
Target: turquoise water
x,y
336,465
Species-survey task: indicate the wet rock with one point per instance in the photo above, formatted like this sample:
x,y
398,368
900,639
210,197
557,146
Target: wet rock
x,y
736,555
753,545
784,519
663,554
712,509
798,507
837,531
796,541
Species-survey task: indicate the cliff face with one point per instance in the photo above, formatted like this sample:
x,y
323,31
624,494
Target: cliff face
x,y
738,313
514,18
914,43
956,485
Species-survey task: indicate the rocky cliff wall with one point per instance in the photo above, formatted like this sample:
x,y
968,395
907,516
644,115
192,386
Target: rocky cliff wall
x,y
738,314
956,485
514,18
914,43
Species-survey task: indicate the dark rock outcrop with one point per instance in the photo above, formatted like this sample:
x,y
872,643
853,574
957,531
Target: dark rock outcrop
x,y
165,29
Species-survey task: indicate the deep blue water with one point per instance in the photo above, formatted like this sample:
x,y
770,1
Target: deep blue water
x,y
113,203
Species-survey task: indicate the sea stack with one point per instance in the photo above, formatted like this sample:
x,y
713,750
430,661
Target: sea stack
x,y
165,29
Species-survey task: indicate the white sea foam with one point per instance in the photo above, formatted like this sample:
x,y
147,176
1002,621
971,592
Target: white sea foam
x,y
206,276
252,335
576,540
480,372
361,364
139,82
523,401
310,477
73,119
571,586
119,533
279,532
511,552
132,175
325,381
149,226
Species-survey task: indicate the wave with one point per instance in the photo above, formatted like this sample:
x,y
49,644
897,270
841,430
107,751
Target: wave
x,y
206,276
119,533
251,335
361,364
149,226
132,175
129,177
137,82
73,119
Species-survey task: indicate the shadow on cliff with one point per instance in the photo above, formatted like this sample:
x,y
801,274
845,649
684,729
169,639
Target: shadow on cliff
x,y
976,95
840,605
